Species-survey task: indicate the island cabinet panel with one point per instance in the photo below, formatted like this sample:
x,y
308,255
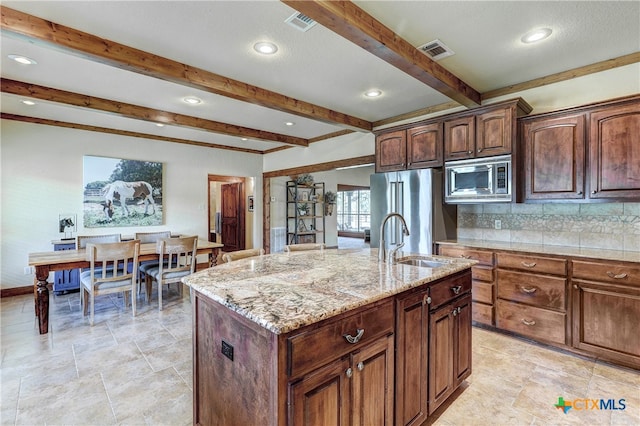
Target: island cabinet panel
x,y
554,157
613,151
412,369
606,310
449,349
222,384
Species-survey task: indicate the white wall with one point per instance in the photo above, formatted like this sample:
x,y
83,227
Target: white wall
x,y
41,176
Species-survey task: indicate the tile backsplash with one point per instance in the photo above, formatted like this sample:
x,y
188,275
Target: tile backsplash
x,y
613,226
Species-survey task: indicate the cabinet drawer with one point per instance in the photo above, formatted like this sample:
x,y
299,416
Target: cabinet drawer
x,y
531,321
482,273
483,257
482,292
545,265
448,290
532,289
308,350
606,272
482,313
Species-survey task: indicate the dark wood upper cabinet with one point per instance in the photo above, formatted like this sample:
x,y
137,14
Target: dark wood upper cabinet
x,y
424,146
459,138
495,132
391,151
586,153
614,151
554,157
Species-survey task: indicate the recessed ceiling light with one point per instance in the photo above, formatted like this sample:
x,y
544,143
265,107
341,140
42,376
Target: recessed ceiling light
x,y
22,59
26,102
192,100
373,93
290,123
536,35
244,139
265,47
159,124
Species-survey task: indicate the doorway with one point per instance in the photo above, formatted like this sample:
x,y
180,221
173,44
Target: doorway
x,y
226,211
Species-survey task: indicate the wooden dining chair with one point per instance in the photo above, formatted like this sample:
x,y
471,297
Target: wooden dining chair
x,y
242,254
146,238
109,272
302,247
83,240
176,260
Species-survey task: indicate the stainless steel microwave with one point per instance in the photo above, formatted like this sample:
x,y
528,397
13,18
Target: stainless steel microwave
x,y
478,180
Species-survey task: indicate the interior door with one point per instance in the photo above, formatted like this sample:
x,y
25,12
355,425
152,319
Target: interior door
x,y
232,209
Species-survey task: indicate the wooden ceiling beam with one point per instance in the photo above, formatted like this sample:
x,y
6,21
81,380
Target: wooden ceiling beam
x,y
78,126
142,113
88,46
357,26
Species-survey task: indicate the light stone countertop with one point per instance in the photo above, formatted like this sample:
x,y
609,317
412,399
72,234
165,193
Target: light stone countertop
x,y
588,253
283,292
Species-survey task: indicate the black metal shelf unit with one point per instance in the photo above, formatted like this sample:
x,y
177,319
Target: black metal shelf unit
x,y
305,213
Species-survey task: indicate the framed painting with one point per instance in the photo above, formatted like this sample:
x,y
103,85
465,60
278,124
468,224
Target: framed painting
x,y
120,192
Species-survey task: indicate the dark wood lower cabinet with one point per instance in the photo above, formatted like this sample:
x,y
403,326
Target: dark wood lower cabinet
x,y
449,349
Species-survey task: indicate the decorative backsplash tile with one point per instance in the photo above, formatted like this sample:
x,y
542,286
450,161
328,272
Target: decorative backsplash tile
x,y
604,225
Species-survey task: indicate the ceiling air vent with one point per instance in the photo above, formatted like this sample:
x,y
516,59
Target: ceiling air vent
x,y
436,50
300,21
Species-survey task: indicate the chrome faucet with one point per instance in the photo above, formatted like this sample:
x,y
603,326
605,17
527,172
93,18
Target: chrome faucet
x,y
382,251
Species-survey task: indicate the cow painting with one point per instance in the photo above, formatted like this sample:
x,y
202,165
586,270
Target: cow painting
x,y
123,191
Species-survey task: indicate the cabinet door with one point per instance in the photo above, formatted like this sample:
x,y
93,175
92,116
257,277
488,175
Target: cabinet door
x,y
322,397
494,132
391,151
462,340
614,152
424,146
412,346
554,158
373,387
605,320
459,138
441,347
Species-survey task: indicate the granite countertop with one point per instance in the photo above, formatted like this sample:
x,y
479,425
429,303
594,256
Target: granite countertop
x,y
283,292
589,253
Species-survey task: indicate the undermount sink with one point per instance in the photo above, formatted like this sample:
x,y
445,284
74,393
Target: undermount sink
x,y
423,262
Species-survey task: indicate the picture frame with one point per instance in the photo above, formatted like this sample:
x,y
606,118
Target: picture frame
x,y
250,203
67,225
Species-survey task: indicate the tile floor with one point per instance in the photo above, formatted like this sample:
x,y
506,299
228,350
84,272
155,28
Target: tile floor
x,y
137,371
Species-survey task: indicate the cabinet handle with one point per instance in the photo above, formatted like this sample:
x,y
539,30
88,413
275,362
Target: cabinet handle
x,y
349,372
479,149
470,152
456,289
459,309
356,339
575,286
464,256
426,300
579,192
360,366
528,265
529,290
529,323
455,312
618,276
594,191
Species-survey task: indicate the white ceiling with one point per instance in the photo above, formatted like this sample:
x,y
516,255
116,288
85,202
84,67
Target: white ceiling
x,y
318,66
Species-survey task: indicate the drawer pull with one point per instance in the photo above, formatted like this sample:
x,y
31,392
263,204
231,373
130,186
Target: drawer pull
x,y
456,289
354,340
618,276
528,265
349,372
529,290
360,366
529,323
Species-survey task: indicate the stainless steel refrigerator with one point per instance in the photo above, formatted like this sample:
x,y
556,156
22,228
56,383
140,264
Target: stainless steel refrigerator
x,y
417,196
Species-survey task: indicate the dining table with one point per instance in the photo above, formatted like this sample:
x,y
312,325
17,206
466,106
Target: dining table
x,y
50,261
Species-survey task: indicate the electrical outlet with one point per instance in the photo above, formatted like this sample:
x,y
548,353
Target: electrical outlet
x,y
28,270
273,199
227,350
498,224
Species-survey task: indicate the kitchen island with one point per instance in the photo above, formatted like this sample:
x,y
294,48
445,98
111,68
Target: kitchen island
x,y
328,337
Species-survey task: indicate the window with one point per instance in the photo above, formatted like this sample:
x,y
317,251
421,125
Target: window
x,y
353,210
